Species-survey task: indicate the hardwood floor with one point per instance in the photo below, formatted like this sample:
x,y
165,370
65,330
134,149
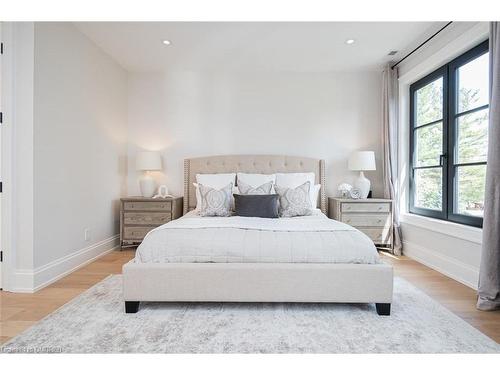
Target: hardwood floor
x,y
19,311
456,297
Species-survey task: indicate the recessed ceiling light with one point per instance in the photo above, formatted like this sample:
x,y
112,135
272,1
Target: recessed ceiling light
x,y
166,42
349,41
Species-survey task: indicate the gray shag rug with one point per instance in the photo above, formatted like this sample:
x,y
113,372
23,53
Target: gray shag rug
x,y
95,322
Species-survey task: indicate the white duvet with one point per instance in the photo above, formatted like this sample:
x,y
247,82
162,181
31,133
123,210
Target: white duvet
x,y
235,239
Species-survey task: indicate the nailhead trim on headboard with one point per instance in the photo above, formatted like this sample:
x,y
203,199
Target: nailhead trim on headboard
x,y
322,178
186,186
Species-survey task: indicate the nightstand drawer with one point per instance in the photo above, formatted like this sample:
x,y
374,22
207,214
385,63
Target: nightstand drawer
x,y
135,233
139,215
367,220
146,218
366,207
147,206
378,235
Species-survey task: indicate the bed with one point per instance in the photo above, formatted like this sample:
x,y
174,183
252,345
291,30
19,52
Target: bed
x,y
241,259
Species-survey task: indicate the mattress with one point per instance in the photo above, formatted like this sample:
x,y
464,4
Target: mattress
x,y
235,239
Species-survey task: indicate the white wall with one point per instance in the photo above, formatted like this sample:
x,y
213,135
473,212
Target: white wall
x,y
17,153
70,127
450,248
24,151
80,142
198,114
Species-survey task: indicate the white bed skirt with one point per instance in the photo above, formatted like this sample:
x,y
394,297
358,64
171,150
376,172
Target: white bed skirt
x,y
258,282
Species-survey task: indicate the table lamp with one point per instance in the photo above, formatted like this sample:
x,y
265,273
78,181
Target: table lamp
x,y
362,161
147,161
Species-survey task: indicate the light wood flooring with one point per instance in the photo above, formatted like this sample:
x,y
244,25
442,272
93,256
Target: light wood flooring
x,y
19,311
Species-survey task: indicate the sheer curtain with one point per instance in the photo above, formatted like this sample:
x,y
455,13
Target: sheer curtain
x,y
390,146
489,275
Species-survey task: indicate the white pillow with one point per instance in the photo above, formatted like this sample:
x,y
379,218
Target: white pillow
x,y
256,179
293,180
316,188
215,181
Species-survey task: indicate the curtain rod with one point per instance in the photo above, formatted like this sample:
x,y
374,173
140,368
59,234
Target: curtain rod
x,y
427,40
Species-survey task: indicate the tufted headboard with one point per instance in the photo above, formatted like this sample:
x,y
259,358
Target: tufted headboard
x,y
266,164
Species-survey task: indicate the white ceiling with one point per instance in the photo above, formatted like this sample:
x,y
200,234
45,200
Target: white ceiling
x,y
255,46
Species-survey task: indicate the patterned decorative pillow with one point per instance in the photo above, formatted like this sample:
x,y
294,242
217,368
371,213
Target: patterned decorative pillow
x,y
263,189
198,197
215,202
294,201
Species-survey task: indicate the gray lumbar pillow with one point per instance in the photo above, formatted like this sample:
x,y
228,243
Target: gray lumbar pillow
x,y
294,201
259,205
260,190
215,202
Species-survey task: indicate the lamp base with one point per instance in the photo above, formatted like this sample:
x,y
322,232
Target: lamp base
x,y
363,184
148,185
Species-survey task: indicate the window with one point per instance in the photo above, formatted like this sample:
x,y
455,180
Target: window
x,y
449,139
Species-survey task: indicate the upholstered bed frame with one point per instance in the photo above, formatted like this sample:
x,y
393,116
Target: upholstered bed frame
x,y
265,164
256,282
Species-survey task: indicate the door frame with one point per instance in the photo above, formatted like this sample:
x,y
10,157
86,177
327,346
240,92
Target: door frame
x,y
6,157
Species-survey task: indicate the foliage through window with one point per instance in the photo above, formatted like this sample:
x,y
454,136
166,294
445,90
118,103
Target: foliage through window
x,y
449,139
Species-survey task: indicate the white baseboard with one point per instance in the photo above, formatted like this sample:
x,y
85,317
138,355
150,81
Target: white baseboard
x,y
29,281
457,270
21,281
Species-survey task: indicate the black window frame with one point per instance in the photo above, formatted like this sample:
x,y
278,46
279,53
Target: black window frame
x,y
447,159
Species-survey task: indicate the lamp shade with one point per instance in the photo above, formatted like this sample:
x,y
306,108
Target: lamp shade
x,y
148,161
362,161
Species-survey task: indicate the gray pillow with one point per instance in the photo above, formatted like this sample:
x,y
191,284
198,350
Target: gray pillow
x,y
256,205
294,201
262,189
215,202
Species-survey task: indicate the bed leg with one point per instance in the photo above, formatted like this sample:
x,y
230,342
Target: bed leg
x,y
131,307
383,308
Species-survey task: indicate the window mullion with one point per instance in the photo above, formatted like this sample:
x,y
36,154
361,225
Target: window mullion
x,y
471,164
447,135
427,166
428,124
468,112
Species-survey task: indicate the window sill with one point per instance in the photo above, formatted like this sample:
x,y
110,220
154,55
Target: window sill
x,y
464,232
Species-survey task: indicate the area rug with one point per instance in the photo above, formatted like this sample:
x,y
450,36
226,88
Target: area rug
x,y
95,322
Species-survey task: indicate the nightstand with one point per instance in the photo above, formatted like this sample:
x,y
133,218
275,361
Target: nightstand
x,y
139,215
371,216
